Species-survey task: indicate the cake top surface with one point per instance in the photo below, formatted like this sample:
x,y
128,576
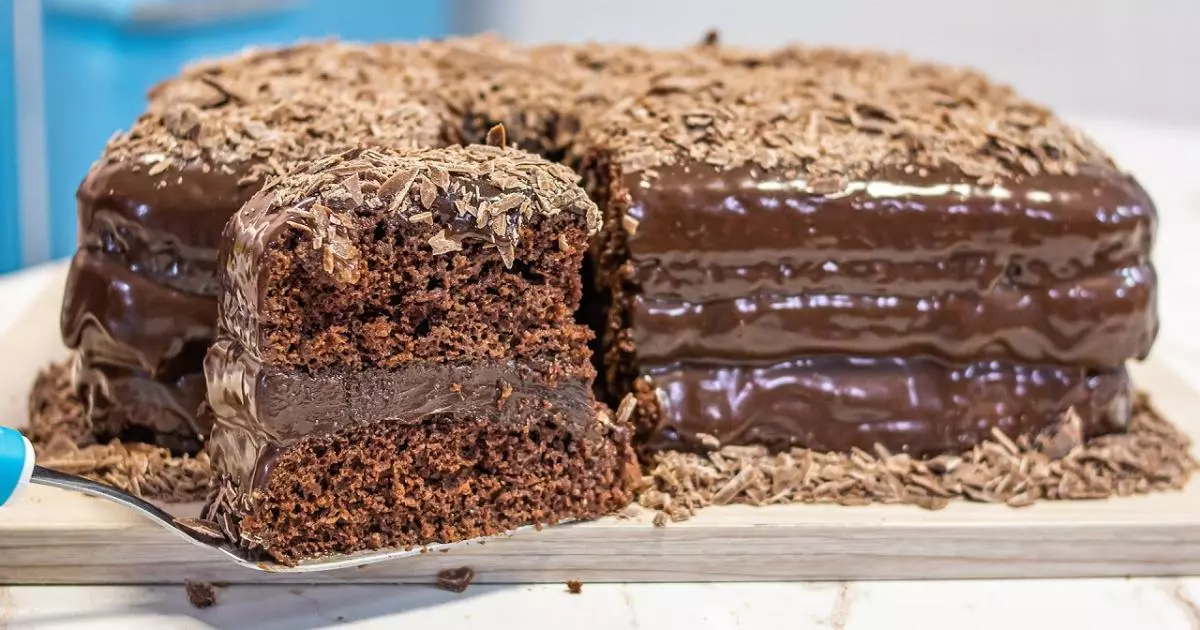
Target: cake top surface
x,y
832,115
825,114
262,108
269,74
261,138
479,192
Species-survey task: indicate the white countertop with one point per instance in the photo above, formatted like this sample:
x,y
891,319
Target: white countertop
x,y
1163,158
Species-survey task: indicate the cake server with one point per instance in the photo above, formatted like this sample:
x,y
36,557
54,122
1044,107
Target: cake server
x,y
18,469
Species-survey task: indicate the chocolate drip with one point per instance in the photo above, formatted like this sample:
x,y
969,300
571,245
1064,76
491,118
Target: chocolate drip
x,y
917,405
140,302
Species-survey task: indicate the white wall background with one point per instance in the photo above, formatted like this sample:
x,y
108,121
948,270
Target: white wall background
x,y
1097,58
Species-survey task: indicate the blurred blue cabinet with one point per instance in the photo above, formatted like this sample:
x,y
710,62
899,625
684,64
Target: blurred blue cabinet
x,y
10,240
102,55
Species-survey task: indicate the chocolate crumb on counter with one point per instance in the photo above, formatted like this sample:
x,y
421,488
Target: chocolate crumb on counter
x,y
455,580
1152,456
574,587
201,594
63,440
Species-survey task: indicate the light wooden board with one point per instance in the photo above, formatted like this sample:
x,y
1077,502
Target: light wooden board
x,y
52,536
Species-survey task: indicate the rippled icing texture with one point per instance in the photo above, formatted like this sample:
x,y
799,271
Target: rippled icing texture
x,y
914,310
140,303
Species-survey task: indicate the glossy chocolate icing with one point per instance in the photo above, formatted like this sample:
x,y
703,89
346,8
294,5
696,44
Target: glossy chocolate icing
x,y
916,405
916,309
140,302
1050,269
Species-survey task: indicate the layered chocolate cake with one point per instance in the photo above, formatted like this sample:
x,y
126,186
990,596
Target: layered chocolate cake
x,y
397,360
140,302
811,266
839,250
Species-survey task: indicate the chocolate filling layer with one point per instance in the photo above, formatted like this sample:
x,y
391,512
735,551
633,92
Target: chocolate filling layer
x,y
260,409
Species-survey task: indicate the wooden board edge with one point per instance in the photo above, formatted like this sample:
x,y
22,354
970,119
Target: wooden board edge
x,y
654,555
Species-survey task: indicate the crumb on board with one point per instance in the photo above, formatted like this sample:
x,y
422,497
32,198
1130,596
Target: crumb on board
x,y
201,594
455,580
574,587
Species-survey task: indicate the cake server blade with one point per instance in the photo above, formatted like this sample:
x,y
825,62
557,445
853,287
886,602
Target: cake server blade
x,y
18,469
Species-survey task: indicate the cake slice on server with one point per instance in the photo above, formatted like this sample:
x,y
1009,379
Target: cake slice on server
x,y
397,361
839,249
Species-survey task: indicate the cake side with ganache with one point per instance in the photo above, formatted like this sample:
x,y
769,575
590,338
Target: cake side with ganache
x,y
397,361
140,303
837,249
799,248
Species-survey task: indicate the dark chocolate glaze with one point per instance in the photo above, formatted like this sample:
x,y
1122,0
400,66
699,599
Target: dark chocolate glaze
x,y
745,265
918,310
140,302
1056,325
921,406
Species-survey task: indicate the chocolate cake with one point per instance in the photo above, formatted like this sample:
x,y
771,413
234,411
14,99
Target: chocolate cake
x,y
837,250
807,258
140,303
397,360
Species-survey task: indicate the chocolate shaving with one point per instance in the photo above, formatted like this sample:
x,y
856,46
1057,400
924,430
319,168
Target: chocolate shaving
x,y
201,594
497,137
1152,456
455,580
442,244
63,440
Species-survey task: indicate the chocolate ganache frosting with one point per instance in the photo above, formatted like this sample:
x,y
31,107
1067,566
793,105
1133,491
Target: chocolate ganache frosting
x,y
738,265
916,310
140,302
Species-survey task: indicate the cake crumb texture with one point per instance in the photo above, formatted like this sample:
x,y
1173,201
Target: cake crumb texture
x,y
447,478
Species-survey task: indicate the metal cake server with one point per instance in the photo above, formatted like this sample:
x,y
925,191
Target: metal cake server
x,y
18,469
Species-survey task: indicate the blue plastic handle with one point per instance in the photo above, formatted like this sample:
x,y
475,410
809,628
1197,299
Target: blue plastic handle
x,y
16,464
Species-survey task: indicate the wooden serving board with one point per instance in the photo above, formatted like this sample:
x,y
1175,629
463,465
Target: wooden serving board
x,y
53,536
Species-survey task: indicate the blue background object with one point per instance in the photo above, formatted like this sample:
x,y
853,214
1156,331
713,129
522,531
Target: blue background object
x,y
10,240
101,56
14,458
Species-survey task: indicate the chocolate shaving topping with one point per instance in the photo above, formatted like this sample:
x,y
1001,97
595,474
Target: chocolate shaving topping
x,y
497,190
831,116
496,137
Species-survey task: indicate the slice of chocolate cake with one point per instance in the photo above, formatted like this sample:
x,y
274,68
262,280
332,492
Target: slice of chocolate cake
x,y
835,250
140,303
397,361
